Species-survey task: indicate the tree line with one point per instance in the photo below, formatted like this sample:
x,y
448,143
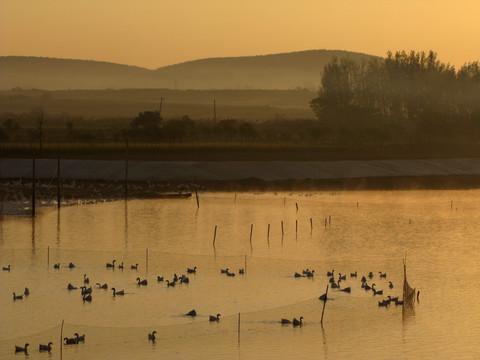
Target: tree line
x,y
405,97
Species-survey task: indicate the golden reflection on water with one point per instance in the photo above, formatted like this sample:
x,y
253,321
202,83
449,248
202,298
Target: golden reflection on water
x,y
272,237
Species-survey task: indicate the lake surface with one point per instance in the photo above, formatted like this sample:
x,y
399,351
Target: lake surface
x,y
348,231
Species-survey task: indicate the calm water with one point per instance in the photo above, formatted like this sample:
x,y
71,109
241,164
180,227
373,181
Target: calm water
x,y
362,231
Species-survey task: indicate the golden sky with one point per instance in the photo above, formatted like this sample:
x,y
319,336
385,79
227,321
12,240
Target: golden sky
x,y
155,33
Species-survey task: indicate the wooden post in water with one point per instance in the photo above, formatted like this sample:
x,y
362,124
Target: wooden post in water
x,y
282,229
146,259
238,328
325,222
311,225
196,196
33,184
235,199
48,256
329,219
324,302
251,231
214,235
61,340
126,170
296,228
268,232
296,205
58,180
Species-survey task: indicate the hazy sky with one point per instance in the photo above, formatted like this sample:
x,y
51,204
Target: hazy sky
x,y
155,33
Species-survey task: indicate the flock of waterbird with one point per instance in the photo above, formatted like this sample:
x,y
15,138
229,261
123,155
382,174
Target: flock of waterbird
x,y
86,293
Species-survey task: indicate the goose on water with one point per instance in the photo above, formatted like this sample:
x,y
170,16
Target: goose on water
x,y
192,271
115,292
364,279
296,322
70,341
121,266
71,265
45,347
152,336
375,291
85,279
6,268
184,279
191,313
353,274
170,283
175,277
112,265
285,321
215,318
159,278
323,297
382,275
310,273
56,266
79,338
241,271
21,349
230,274
297,275
334,285
384,303
86,291
370,275
142,282
223,271
347,289
367,287
330,273
104,286
134,267
390,285
17,297
342,277
71,287
87,298
26,292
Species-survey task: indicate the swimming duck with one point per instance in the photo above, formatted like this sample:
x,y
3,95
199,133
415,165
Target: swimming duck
x,y
45,347
134,267
87,298
296,322
223,271
330,273
230,274
86,291
104,286
364,279
241,271
112,265
71,287
297,275
26,292
115,293
376,292
170,283
159,278
71,265
121,266
215,318
152,336
285,321
370,275
85,279
191,313
347,289
390,285
70,341
382,275
310,273
353,274
17,297
56,266
142,282
6,268
21,349
79,338
184,279
192,271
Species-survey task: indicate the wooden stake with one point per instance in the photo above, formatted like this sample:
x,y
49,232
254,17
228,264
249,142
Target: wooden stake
x,y
251,231
196,196
268,232
324,302
126,170
235,200
239,328
58,180
296,228
33,184
48,256
214,235
311,225
61,340
282,228
296,204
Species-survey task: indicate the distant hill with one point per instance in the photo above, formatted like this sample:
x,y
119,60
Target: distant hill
x,y
277,71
